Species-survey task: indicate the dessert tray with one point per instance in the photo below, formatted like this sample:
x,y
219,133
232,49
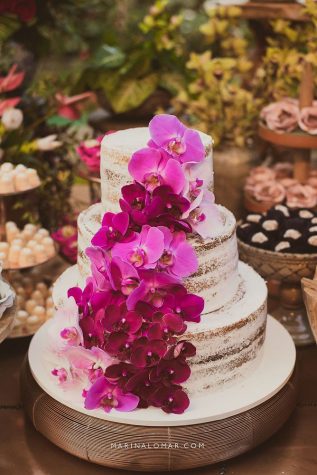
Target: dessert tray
x,y
217,426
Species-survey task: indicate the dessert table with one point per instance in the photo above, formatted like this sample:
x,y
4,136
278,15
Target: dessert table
x,y
23,450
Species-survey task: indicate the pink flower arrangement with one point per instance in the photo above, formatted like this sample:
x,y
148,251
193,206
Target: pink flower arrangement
x,y
286,116
134,307
277,184
66,237
89,153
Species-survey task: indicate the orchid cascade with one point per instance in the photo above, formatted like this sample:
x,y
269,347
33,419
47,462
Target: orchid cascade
x,y
125,343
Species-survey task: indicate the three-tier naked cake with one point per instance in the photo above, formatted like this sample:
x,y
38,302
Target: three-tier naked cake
x,y
161,310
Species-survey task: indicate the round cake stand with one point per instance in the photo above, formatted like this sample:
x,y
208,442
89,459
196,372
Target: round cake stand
x,y
216,427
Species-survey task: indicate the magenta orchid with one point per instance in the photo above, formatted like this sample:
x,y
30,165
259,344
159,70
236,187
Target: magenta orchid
x,y
151,168
153,288
109,396
170,135
178,256
144,251
113,229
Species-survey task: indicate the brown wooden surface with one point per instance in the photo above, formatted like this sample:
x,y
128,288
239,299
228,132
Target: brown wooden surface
x,y
272,11
292,451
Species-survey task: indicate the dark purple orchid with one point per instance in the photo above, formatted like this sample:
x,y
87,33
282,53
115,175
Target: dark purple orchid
x,y
164,326
92,328
133,201
108,396
119,345
188,306
141,385
153,288
179,256
172,399
183,349
173,371
146,353
152,168
144,250
170,135
120,373
118,319
113,229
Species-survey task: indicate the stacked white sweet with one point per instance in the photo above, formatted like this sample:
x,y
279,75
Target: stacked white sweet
x,y
20,178
27,247
34,304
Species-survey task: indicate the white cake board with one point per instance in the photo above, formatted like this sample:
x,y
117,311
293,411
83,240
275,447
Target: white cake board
x,y
272,373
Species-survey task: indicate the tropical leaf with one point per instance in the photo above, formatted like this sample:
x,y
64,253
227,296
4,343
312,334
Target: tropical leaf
x,y
108,57
131,93
8,25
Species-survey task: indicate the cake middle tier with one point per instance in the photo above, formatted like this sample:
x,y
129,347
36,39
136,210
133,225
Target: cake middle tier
x,y
217,279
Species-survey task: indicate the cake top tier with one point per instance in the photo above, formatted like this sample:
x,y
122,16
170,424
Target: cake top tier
x,y
117,149
129,141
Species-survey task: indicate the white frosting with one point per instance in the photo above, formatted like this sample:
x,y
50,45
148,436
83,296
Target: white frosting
x,y
283,209
281,246
312,240
292,234
217,278
259,238
228,341
116,151
254,218
304,213
270,225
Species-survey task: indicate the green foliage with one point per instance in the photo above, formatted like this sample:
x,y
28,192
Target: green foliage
x,y
289,46
217,98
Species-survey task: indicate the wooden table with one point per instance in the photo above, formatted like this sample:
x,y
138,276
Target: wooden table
x,y
23,451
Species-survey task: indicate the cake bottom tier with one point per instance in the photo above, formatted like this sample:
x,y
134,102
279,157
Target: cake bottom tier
x,y
228,341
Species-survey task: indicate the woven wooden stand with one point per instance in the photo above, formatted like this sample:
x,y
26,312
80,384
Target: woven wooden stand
x,y
153,448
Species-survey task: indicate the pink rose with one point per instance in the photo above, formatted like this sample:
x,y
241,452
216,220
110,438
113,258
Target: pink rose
x,y
258,175
270,191
301,196
312,181
281,116
308,119
288,182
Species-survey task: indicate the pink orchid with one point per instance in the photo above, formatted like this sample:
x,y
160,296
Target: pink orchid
x,y
150,167
198,177
178,257
170,135
143,251
204,216
12,80
93,362
152,289
109,396
69,105
113,229
8,104
64,330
